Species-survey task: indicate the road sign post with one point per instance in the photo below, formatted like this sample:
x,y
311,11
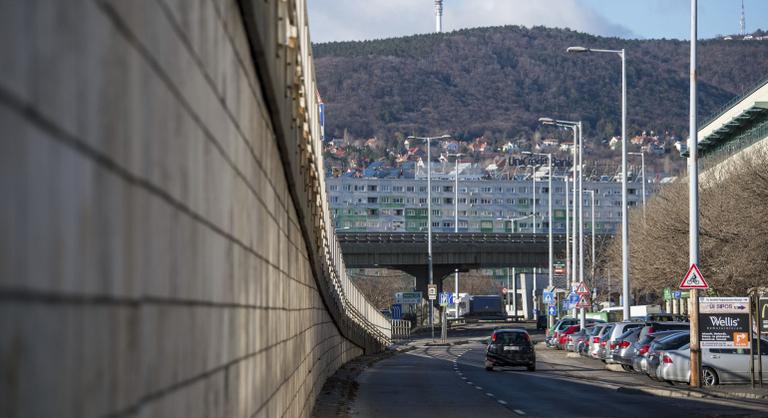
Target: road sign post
x,y
694,281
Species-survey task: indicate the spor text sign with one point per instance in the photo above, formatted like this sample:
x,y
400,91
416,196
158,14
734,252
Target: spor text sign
x,y
724,322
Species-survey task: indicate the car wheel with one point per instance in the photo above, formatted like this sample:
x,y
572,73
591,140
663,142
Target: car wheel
x,y
709,376
627,368
532,367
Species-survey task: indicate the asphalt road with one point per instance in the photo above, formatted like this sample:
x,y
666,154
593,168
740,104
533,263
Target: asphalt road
x,y
451,382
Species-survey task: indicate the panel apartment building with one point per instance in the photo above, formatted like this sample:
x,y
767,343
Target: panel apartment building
x,y
398,203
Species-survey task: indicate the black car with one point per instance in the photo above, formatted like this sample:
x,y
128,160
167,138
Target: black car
x,y
510,347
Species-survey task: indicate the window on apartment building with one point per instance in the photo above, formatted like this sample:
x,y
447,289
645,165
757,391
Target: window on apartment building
x,y
462,213
422,200
334,199
463,223
435,200
510,201
463,200
398,200
487,189
410,200
373,200
373,188
384,200
472,200
373,212
436,224
398,212
522,201
348,187
558,190
484,201
523,189
463,190
333,187
435,212
545,189
410,189
499,201
447,200
435,188
447,224
397,188
631,203
422,189
510,189
473,213
499,190
448,189
385,188
631,191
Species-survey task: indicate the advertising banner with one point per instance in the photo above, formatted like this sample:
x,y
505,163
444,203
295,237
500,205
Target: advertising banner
x,y
724,322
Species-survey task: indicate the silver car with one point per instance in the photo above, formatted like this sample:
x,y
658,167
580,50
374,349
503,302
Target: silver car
x,y
597,343
640,360
619,328
719,365
625,350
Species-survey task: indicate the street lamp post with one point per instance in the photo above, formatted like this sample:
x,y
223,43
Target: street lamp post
x,y
428,140
456,230
624,218
592,206
550,321
577,128
642,168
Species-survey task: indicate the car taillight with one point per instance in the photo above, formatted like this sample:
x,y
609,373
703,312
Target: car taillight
x,y
644,349
666,359
595,340
613,346
493,337
527,337
624,344
650,330
602,343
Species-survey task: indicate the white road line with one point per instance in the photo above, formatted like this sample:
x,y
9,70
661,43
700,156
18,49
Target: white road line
x,y
502,402
489,394
463,378
470,383
518,412
479,387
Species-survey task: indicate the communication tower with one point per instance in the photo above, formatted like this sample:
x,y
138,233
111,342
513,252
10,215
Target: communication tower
x,y
438,16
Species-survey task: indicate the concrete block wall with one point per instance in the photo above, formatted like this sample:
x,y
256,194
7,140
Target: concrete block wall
x,y
152,259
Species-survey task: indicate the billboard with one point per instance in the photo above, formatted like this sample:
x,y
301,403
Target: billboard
x,y
724,322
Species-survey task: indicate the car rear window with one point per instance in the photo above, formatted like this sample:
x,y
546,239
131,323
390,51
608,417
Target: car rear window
x,y
511,338
673,342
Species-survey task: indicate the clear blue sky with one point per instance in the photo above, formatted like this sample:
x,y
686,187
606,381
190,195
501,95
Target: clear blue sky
x,y
368,19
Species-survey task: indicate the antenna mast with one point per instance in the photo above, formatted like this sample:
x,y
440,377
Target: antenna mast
x,y
743,21
438,16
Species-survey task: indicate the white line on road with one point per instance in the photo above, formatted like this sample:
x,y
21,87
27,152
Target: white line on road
x,y
518,412
470,383
489,394
479,387
463,378
502,402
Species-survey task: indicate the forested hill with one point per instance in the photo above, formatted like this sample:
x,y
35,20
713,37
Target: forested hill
x,y
498,81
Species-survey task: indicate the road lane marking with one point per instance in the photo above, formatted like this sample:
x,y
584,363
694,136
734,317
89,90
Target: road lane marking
x,y
479,387
518,412
502,402
470,383
489,394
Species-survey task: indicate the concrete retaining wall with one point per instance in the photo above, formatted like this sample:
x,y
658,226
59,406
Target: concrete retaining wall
x,y
154,260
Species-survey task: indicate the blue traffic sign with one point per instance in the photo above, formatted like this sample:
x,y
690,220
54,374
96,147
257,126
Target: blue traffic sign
x,y
677,294
549,298
573,298
552,310
446,298
397,311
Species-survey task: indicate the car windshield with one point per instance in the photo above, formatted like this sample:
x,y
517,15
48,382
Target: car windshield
x,y
606,331
627,333
511,338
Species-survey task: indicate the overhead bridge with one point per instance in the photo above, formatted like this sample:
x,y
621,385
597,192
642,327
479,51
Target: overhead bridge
x,y
450,251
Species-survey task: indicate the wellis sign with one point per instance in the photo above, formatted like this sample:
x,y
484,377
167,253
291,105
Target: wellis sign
x,y
724,322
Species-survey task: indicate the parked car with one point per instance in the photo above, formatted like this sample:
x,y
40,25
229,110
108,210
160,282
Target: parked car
x,y
510,347
624,351
670,342
661,317
651,327
719,365
598,342
619,328
640,360
591,332
571,341
562,338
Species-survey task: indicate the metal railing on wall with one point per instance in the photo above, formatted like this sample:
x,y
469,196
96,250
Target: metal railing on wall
x,y
353,305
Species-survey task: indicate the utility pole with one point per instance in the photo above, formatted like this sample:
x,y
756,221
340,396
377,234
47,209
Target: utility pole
x,y
534,289
456,230
693,206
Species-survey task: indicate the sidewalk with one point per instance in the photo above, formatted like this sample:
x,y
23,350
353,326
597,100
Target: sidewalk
x,y
629,382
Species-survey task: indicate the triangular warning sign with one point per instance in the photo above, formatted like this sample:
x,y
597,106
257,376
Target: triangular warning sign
x,y
694,280
583,302
582,289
